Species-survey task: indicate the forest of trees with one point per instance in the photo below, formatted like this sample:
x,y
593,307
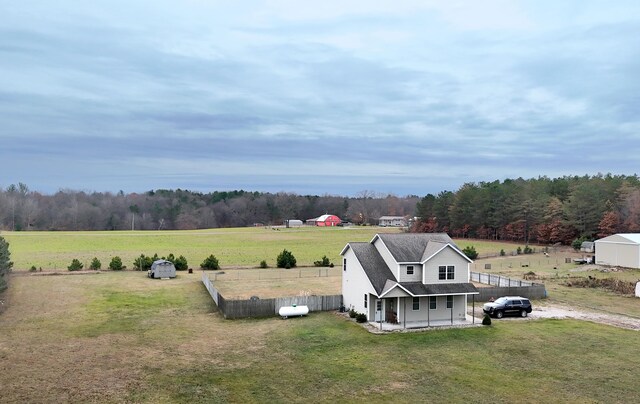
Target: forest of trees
x,y
541,210
22,209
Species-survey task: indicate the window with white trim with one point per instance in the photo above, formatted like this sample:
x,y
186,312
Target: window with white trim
x,y
432,303
344,264
449,302
416,303
446,272
365,300
409,269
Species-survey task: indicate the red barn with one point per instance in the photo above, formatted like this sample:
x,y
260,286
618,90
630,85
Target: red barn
x,y
324,220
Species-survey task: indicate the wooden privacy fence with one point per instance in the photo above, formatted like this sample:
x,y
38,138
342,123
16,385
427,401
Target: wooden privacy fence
x,y
256,307
503,286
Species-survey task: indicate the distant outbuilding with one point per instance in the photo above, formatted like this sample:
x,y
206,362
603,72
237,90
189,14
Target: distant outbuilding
x,y
324,220
162,269
622,249
293,223
392,221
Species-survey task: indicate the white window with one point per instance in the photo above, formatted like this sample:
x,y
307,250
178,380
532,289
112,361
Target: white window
x,y
410,270
449,302
446,272
365,300
432,303
416,303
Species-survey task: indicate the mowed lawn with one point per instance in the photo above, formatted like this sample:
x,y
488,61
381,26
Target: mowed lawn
x,y
121,337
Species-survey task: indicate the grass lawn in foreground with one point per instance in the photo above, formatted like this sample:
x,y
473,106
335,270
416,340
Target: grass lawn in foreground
x,y
116,337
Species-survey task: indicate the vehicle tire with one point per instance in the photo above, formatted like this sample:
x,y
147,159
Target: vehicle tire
x,y
499,314
523,313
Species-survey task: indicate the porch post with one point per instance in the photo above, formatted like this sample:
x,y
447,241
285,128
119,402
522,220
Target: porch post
x,y
428,311
473,311
404,313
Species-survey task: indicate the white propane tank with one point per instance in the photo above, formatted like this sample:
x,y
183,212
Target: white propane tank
x,y
291,311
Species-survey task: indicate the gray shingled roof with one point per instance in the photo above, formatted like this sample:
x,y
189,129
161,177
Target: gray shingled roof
x,y
419,289
411,247
373,265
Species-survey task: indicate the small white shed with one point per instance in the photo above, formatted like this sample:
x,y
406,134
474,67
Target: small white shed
x,y
622,249
162,269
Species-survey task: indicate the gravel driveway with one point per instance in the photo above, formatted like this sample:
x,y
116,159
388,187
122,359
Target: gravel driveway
x,y
559,311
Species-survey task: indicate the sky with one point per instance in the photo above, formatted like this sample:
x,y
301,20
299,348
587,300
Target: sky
x,y
332,97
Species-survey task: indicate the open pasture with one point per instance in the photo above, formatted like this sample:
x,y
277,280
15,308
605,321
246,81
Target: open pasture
x,y
120,337
236,247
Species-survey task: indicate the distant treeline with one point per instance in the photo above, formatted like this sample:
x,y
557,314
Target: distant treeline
x,y
22,209
540,210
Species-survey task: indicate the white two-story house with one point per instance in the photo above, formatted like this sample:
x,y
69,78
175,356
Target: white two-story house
x,y
409,279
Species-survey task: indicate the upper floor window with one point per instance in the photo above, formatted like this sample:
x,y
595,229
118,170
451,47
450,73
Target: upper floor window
x,y
344,264
446,272
410,270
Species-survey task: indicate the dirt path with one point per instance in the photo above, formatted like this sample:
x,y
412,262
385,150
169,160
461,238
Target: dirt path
x,y
560,311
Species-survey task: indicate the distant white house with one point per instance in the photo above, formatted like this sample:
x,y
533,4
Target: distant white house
x,y
392,221
622,249
413,279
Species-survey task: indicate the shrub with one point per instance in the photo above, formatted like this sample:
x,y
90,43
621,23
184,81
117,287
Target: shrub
x,y
519,250
76,265
211,262
263,264
181,263
470,252
33,268
116,264
286,260
486,320
324,262
353,313
502,253
528,250
361,318
143,263
95,264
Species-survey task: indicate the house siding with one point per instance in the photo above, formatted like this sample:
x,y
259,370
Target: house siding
x,y
417,273
447,256
439,314
355,284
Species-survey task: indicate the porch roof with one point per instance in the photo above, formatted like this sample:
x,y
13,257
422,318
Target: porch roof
x,y
420,289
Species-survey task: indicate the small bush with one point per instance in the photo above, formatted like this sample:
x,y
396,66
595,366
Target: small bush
x,y
361,318
528,250
263,264
33,268
180,263
470,252
143,263
286,260
95,264
324,262
502,253
76,265
353,313
486,320
519,250
116,264
211,262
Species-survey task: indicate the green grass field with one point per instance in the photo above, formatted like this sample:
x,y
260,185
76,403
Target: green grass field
x,y
121,337
237,247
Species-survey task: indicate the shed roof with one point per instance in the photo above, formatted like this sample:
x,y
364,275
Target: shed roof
x,y
622,237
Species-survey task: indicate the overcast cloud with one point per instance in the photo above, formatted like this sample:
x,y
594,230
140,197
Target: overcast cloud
x,y
406,97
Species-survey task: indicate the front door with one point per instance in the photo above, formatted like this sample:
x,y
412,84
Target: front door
x,y
391,315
